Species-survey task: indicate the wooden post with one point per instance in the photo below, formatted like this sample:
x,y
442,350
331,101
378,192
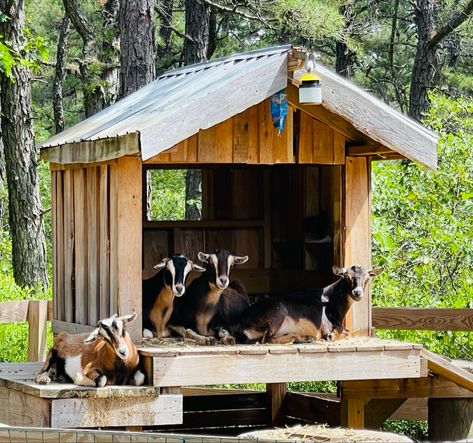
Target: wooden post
x,y
358,235
450,419
276,396
353,413
37,327
128,194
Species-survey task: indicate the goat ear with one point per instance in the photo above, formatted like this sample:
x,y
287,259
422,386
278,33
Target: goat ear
x,y
240,260
94,335
337,270
204,258
375,271
162,264
128,318
197,268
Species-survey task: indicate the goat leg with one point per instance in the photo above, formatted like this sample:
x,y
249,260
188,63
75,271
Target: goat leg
x,y
189,333
226,337
47,372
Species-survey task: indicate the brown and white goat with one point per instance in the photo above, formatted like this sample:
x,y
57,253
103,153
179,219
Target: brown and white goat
x,y
159,292
213,304
309,314
106,356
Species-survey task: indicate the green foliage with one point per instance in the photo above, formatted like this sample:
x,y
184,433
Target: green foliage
x,y
168,194
417,430
423,226
309,18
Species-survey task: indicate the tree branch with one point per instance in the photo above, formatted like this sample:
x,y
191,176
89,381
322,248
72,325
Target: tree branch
x,y
456,19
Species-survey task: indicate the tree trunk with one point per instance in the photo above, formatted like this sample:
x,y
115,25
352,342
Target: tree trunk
x,y
21,158
196,47
197,31
109,53
165,11
94,93
425,62
136,45
59,75
344,57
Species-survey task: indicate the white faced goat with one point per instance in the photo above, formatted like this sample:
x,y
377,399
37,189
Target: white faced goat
x,y
106,356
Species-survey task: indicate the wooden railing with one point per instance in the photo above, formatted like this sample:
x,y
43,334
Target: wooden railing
x,y
36,313
432,319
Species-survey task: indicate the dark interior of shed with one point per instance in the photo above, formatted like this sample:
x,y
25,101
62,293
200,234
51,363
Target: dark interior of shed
x,y
286,218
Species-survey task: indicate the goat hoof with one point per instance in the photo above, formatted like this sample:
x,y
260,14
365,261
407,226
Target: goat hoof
x,y
147,333
229,340
138,378
101,381
43,379
210,341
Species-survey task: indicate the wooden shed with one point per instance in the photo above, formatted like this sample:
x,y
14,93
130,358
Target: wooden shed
x,y
296,203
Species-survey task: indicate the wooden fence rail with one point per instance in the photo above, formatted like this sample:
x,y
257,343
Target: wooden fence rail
x,y
36,313
432,319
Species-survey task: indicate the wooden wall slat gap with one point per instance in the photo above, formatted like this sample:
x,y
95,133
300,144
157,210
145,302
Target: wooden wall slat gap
x,y
93,247
104,296
81,245
59,295
69,244
113,232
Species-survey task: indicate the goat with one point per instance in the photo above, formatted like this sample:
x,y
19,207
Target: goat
x,y
310,314
105,356
213,304
159,292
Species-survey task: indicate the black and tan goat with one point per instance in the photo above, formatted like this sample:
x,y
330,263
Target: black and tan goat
x,y
310,314
213,304
106,356
159,292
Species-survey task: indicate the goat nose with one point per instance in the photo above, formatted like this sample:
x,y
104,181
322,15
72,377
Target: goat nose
x,y
123,351
357,292
224,280
180,289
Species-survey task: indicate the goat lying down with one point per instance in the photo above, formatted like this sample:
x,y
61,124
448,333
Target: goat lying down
x,y
106,356
213,303
159,293
310,314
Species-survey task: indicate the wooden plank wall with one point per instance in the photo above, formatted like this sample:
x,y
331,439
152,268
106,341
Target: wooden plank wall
x,y
86,240
357,245
248,137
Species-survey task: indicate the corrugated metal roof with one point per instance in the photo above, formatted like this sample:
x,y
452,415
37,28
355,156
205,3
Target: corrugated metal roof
x,y
169,110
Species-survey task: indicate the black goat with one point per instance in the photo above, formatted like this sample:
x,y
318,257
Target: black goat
x,y
160,290
213,304
310,314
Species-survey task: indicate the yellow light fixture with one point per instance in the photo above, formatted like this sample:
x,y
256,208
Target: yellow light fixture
x,y
310,89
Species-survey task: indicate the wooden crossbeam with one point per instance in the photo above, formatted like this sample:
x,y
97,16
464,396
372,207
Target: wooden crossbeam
x,y
433,319
432,386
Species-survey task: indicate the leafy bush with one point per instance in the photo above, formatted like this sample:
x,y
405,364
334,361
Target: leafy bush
x,y
423,228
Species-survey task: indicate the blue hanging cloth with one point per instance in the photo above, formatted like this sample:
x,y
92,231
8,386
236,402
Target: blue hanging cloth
x,y
279,110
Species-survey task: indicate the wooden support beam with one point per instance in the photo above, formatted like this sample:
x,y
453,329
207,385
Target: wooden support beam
x,y
377,411
432,386
37,328
357,247
432,319
277,406
366,150
353,413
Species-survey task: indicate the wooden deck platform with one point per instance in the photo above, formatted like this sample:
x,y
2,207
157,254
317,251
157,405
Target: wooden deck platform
x,y
64,405
174,363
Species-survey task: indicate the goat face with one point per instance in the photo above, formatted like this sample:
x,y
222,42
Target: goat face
x,y
219,265
112,331
177,268
357,277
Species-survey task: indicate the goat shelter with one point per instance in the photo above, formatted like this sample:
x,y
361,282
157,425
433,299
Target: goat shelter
x,y
295,203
